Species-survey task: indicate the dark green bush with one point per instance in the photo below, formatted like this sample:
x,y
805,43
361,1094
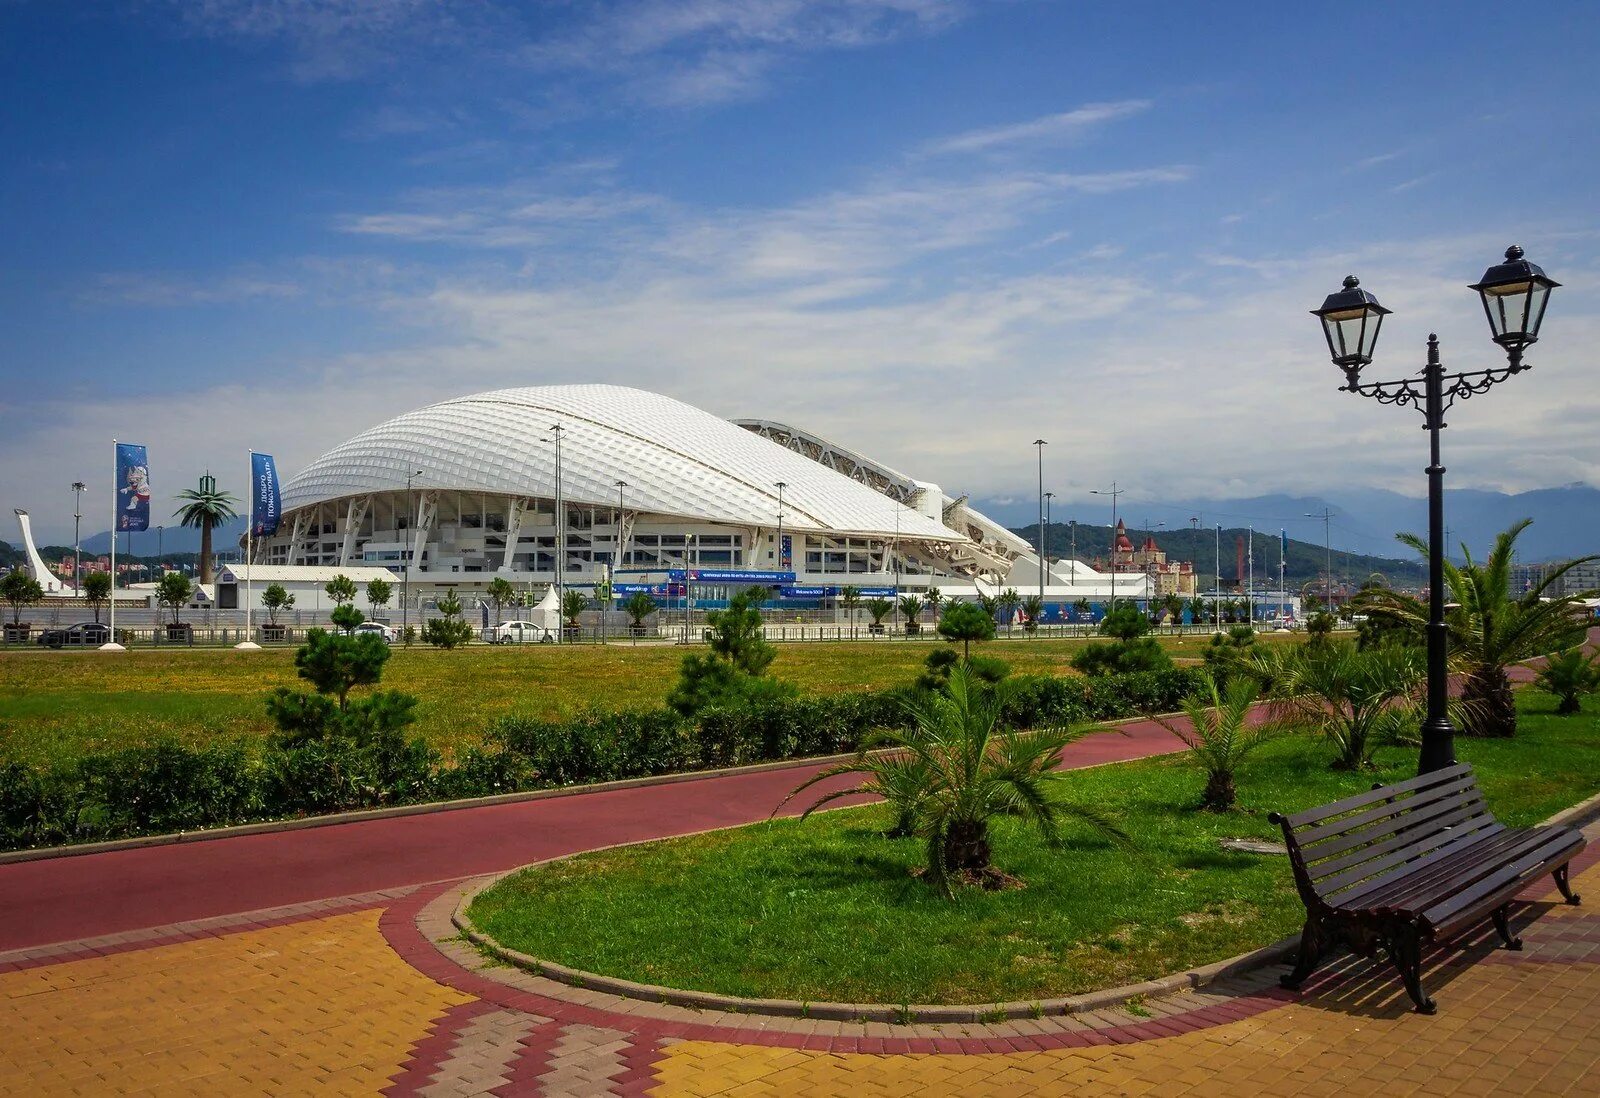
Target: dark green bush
x,y
166,787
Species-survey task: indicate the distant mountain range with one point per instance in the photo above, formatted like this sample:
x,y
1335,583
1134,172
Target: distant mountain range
x,y
1566,521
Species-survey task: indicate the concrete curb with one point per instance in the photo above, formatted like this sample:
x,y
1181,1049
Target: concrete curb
x,y
1188,980
270,827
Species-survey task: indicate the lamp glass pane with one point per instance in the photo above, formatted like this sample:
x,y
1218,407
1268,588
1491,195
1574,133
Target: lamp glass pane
x,y
1537,300
1369,338
1508,307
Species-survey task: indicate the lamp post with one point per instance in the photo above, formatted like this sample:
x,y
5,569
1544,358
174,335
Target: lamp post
x,y
1113,492
405,561
1514,295
1073,551
1039,444
556,431
78,488
617,563
780,485
1327,548
1044,536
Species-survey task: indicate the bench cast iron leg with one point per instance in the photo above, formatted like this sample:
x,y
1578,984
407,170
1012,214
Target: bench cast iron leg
x,y
1566,889
1499,917
1305,962
1405,950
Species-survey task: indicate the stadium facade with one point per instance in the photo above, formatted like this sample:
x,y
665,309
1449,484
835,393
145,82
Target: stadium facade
x,y
657,495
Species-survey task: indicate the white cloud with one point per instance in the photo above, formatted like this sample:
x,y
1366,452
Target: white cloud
x,y
1050,128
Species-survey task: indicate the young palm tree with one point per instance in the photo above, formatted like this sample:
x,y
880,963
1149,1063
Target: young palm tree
x,y
877,610
950,773
1490,627
1220,735
206,508
911,606
1009,601
1032,612
1359,699
1569,676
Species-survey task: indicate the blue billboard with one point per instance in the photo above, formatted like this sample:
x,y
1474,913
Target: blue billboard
x,y
133,487
730,575
264,501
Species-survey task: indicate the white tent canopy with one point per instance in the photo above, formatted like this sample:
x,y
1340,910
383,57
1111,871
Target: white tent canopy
x,y
547,615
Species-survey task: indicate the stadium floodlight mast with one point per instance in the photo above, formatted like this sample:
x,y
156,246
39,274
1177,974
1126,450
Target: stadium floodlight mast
x,y
1515,294
405,561
1113,492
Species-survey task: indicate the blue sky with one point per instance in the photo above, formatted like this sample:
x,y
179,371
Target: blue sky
x,y
931,229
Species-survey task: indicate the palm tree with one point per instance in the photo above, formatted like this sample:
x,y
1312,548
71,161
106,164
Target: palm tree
x,y
1008,601
206,508
1220,735
878,609
1358,698
911,606
638,607
850,599
932,599
1490,628
950,773
1033,612
1569,676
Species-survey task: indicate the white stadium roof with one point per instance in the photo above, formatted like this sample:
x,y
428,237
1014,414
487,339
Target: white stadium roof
x,y
675,458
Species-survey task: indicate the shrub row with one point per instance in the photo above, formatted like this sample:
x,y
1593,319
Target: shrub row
x,y
167,787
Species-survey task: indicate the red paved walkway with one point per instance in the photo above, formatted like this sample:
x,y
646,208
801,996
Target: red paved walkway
x,y
87,896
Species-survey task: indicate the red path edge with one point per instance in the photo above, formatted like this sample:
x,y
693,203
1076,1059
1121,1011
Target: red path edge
x,y
87,896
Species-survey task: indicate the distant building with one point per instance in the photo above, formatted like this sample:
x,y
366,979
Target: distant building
x,y
1583,577
1166,577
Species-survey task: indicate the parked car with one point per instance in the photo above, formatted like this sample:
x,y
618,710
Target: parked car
x,y
76,636
523,632
387,632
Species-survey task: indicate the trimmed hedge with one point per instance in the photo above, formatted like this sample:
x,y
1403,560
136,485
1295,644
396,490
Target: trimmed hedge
x,y
166,787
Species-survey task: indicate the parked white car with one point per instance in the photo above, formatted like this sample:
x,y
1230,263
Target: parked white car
x,y
387,632
523,632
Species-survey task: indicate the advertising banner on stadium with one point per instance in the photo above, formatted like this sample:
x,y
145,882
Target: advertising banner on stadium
x,y
133,487
727,575
265,505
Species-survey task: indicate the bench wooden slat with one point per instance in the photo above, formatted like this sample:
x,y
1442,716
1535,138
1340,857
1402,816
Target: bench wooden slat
x,y
1462,819
1405,848
1399,825
1411,886
1389,810
1361,800
1453,912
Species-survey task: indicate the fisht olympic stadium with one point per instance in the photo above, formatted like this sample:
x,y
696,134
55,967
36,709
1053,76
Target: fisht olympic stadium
x,y
657,495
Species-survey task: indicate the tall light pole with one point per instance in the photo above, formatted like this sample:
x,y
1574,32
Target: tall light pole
x,y
1039,444
1216,602
556,431
1327,547
780,485
1514,296
78,488
1113,492
405,561
1044,537
1073,527
617,560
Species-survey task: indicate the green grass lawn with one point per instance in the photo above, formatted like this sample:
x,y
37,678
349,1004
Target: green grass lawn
x,y
58,705
828,909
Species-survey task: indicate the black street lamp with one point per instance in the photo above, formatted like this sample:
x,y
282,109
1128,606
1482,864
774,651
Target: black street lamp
x,y
1514,295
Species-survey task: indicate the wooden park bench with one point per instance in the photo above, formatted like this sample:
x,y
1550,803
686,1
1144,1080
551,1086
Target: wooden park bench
x,y
1407,864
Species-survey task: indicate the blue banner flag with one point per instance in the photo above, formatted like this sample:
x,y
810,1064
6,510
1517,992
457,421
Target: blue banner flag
x,y
1283,542
264,506
133,487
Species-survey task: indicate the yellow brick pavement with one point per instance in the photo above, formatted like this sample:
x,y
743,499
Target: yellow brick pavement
x,y
317,1007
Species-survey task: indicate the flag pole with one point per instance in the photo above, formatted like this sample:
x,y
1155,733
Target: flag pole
x,y
249,643
111,645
